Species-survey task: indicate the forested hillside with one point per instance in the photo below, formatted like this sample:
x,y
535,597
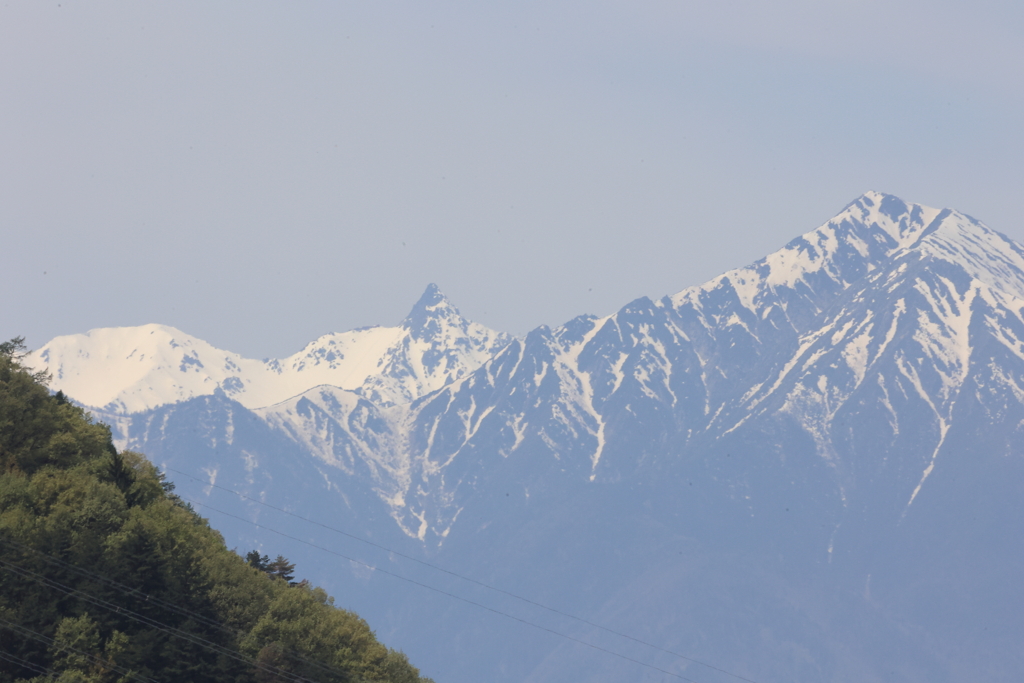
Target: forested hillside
x,y
105,575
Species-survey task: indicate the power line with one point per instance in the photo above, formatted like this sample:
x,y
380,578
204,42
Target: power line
x,y
17,628
205,643
464,578
152,623
446,593
149,621
49,673
131,592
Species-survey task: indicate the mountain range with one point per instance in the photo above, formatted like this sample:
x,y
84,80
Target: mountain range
x,y
809,468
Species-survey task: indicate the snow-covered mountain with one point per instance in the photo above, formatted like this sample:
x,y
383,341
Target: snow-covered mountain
x,y
809,468
134,369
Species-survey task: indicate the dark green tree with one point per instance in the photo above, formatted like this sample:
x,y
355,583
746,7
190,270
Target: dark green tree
x,y
120,475
257,561
281,568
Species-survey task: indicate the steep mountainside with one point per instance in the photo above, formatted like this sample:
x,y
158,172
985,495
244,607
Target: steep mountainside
x,y
809,468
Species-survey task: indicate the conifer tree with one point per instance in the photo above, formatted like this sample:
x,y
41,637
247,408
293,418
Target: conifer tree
x,y
257,561
282,569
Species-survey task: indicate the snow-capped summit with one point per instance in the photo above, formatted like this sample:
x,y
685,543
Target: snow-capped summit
x,y
826,260
841,316
438,346
132,369
128,369
432,304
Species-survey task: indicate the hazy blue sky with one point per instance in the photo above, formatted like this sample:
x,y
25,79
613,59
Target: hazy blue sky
x,y
258,174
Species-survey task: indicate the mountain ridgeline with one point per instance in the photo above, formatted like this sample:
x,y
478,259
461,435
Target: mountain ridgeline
x,y
809,468
106,575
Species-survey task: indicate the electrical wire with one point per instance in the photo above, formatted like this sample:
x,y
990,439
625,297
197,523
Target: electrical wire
x,y
152,623
49,673
465,578
446,593
17,628
166,628
205,643
133,592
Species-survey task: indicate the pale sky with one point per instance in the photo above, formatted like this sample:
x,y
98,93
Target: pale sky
x,y
257,174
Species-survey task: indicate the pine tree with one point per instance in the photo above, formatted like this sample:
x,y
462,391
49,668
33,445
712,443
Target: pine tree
x,y
282,569
257,561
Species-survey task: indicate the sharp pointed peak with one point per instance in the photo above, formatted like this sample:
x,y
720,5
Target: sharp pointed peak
x,y
431,304
432,296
